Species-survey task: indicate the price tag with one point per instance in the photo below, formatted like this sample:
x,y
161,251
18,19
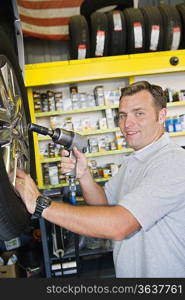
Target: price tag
x,y
138,35
176,38
81,51
117,21
154,39
100,42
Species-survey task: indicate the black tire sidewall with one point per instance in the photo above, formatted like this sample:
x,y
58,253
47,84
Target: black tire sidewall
x,y
79,35
14,218
116,39
132,16
90,6
99,22
171,19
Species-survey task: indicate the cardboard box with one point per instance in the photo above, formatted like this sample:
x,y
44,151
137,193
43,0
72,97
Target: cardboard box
x,y
8,271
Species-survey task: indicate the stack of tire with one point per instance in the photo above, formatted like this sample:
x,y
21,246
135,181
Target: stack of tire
x,y
126,30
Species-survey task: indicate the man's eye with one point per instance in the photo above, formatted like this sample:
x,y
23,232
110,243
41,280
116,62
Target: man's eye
x,y
139,113
122,116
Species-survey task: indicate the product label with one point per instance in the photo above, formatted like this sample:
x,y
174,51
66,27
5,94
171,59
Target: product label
x,y
12,244
117,21
53,175
176,38
138,35
100,42
81,51
154,39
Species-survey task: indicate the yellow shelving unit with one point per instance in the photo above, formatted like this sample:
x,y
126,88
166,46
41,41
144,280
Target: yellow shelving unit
x,y
92,69
94,154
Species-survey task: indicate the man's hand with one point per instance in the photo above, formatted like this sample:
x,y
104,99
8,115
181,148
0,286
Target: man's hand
x,y
27,189
68,164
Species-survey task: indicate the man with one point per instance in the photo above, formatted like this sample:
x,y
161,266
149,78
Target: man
x,y
141,208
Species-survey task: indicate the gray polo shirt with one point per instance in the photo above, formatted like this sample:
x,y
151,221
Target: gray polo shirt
x,y
151,185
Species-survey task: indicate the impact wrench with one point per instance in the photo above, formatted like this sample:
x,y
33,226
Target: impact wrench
x,y
68,139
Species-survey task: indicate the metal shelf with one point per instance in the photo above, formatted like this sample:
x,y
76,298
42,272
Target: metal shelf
x,y
75,111
176,103
109,67
180,133
87,132
93,109
94,154
61,185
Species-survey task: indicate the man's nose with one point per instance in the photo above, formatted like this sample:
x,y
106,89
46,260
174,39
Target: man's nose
x,y
129,121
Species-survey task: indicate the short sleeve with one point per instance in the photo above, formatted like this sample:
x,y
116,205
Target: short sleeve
x,y
161,190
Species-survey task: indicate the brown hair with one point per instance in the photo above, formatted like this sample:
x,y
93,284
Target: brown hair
x,y
159,97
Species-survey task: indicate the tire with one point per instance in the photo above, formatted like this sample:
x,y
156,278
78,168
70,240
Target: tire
x,y
181,10
135,30
99,34
153,29
116,33
79,38
90,6
16,144
172,27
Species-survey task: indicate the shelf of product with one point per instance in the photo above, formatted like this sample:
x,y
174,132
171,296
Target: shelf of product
x,y
94,154
93,90
88,132
65,184
53,177
75,111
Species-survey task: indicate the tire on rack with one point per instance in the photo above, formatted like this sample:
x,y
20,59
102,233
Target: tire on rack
x,y
116,33
99,34
79,37
172,27
153,28
16,144
89,6
135,30
181,10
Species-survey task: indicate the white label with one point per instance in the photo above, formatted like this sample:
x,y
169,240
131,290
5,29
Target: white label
x,y
117,21
13,243
81,51
154,40
53,175
138,35
176,38
100,41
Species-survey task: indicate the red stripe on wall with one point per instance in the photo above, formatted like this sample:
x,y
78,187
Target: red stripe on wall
x,y
45,22
46,36
49,4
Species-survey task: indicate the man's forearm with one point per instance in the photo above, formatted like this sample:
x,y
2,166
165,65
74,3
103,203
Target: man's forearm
x,y
92,192
109,222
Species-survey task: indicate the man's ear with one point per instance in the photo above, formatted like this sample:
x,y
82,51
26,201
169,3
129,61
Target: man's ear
x,y
162,115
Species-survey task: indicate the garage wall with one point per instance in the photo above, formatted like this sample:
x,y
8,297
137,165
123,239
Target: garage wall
x,y
39,50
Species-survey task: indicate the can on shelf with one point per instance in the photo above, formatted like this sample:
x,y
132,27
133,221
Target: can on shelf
x,y
182,119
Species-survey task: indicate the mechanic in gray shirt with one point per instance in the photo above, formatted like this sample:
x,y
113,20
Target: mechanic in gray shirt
x,y
142,208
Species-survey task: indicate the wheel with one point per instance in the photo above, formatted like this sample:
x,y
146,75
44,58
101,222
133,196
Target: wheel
x,y
135,28
90,6
116,33
181,10
172,27
16,144
99,34
79,37
153,28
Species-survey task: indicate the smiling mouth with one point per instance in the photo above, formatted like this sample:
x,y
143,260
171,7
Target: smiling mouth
x,y
131,133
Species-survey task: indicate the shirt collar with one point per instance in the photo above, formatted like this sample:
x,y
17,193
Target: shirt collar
x,y
143,153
